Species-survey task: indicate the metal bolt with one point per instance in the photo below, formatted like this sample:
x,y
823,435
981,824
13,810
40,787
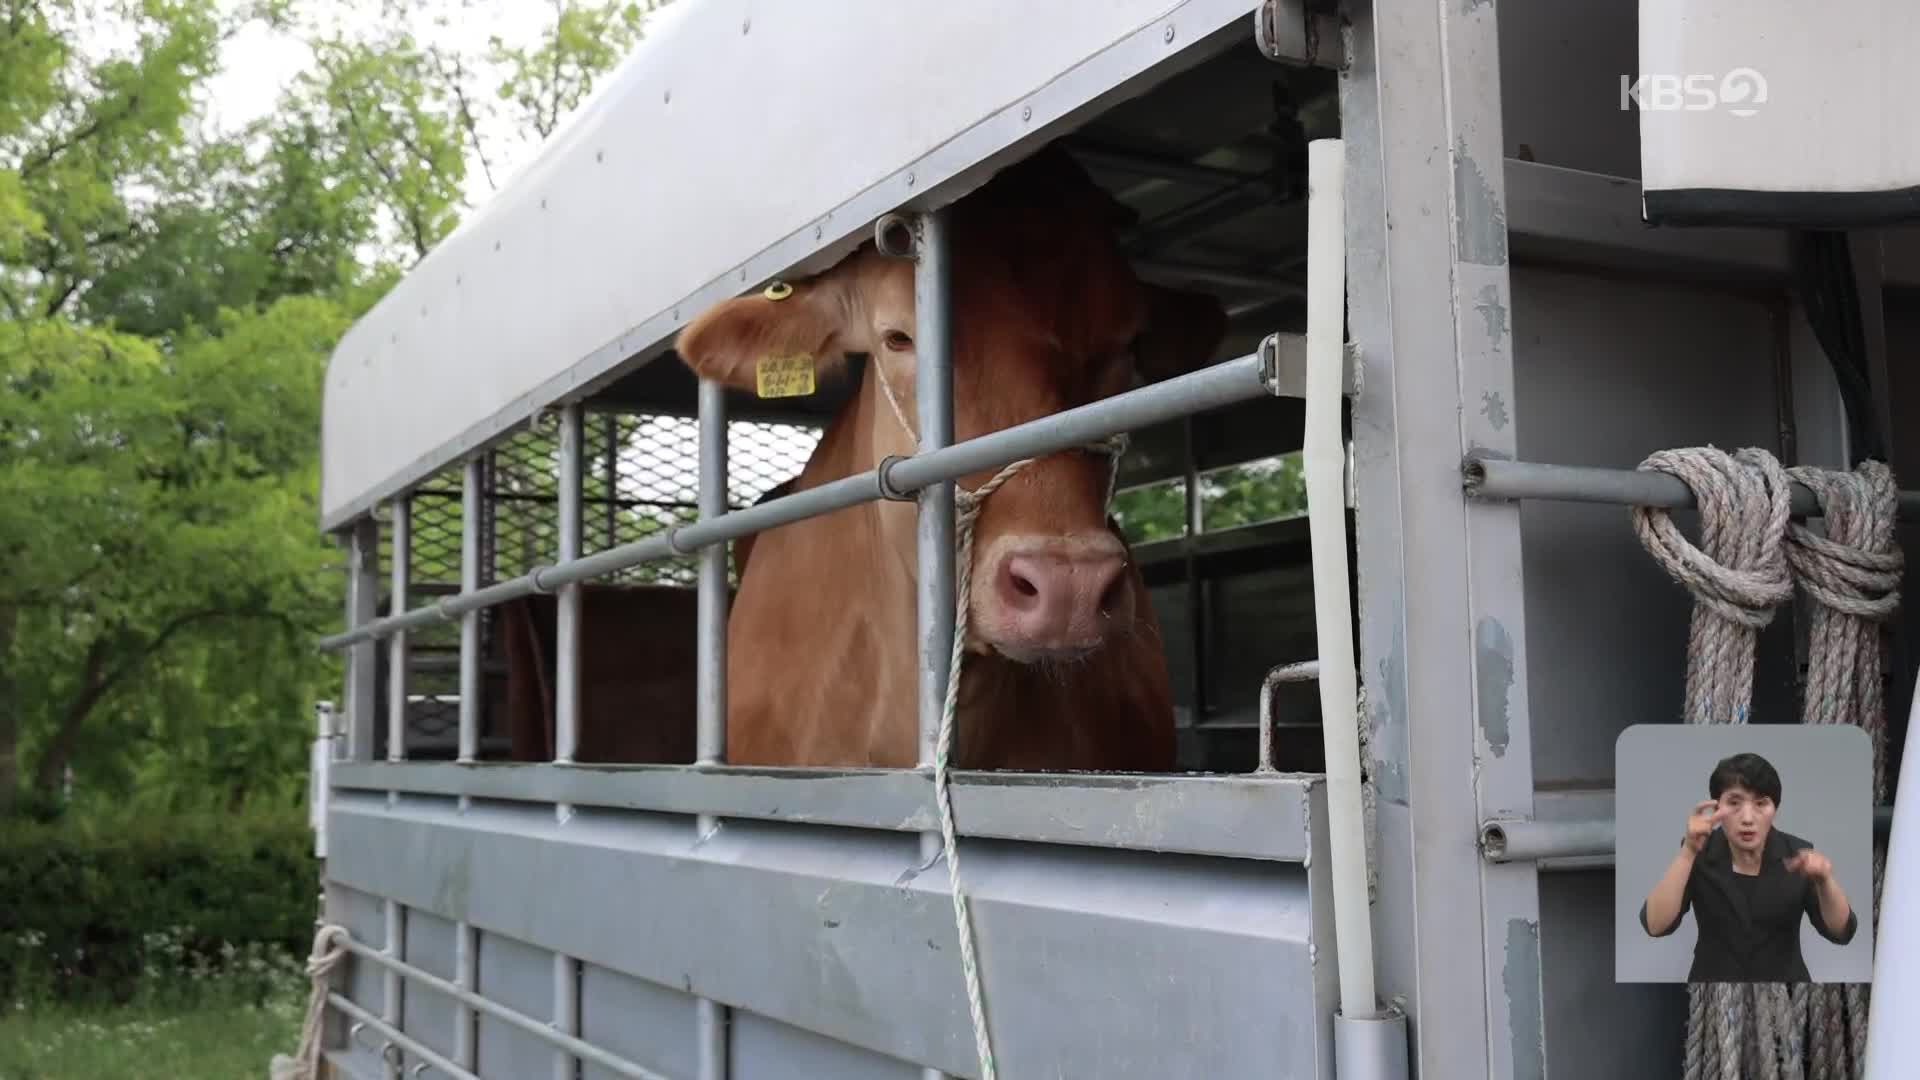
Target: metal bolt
x,y
1026,113
910,179
1169,35
667,97
746,25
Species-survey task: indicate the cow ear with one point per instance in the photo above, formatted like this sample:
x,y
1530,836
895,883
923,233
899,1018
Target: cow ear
x,y
1182,331
776,343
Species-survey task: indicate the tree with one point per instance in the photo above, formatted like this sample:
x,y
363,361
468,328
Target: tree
x,y
168,299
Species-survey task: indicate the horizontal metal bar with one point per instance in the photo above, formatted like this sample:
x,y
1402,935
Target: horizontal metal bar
x,y
1209,388
399,1038
1160,166
1188,270
539,1029
1240,816
1532,840
1487,478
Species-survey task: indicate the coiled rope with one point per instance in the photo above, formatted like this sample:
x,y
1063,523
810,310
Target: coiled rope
x,y
1852,576
967,508
326,955
1748,560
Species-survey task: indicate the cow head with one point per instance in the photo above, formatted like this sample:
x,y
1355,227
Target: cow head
x,y
1046,315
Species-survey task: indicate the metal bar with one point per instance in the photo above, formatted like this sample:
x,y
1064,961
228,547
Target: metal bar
x,y
566,1013
465,969
539,1029
397,656
933,394
712,610
1196,589
1493,479
1236,816
1159,166
566,702
710,1017
470,551
363,599
401,1039
1504,840
391,990
1210,388
1303,671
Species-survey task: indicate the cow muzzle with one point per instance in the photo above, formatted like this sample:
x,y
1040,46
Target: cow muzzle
x,y
1052,599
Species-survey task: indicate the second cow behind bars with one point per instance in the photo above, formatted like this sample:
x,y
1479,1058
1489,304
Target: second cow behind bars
x,y
1065,666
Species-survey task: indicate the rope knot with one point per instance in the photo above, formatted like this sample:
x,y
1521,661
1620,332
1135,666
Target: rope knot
x,y
1739,571
1855,568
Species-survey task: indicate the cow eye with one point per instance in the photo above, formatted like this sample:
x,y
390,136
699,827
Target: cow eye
x,y
897,341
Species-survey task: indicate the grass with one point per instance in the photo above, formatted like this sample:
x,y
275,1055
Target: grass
x,y
200,1040
190,1016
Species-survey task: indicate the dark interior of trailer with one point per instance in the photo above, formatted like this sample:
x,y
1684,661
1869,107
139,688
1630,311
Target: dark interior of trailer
x,y
1214,161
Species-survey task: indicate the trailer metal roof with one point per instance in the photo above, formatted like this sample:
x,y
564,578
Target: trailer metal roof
x,y
740,142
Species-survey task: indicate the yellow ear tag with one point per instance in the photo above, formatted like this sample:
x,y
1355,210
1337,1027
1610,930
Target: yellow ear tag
x,y
779,290
784,376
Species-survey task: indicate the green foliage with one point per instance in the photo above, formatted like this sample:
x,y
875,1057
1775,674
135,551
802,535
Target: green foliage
x,y
169,295
1248,494
119,908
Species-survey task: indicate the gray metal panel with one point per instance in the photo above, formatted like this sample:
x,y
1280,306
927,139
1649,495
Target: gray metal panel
x,y
1595,1026
520,977
1560,68
1443,635
646,1023
1607,372
430,1016
1264,817
838,931
766,1049
364,917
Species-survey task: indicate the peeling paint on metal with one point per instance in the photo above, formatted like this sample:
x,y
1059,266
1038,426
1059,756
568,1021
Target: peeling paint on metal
x,y
1494,408
1493,669
450,893
1488,303
1480,223
1520,979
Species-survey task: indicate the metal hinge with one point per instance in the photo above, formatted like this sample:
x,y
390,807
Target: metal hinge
x,y
1283,366
1299,31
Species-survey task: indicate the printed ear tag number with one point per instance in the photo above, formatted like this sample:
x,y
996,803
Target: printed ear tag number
x,y
784,376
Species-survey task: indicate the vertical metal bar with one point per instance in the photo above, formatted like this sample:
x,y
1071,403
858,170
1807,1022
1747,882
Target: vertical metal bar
x,y
465,1017
566,704
566,1012
472,549
470,553
1439,579
711,663
399,585
363,599
933,403
712,628
933,393
392,987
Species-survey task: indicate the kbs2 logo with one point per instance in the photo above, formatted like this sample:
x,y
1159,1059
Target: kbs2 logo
x,y
1740,91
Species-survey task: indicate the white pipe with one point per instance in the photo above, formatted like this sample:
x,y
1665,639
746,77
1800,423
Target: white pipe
x,y
1892,1036
1324,455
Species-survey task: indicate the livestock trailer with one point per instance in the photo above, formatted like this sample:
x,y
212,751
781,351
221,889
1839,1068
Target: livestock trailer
x,y
1383,527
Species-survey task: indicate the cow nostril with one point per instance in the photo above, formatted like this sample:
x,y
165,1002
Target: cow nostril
x,y
1110,596
1022,586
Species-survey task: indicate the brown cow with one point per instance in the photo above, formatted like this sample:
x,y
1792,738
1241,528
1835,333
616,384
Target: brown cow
x,y
1065,668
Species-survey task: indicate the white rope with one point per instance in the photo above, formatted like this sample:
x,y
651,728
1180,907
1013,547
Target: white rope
x,y
967,507
327,954
1749,559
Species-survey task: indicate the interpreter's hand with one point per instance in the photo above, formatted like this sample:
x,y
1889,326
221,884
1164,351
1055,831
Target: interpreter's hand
x,y
1706,814
1811,863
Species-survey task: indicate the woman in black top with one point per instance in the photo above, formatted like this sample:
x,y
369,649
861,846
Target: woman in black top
x,y
1747,883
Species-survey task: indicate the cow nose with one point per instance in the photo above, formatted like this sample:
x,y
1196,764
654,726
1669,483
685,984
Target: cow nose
x,y
1058,602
